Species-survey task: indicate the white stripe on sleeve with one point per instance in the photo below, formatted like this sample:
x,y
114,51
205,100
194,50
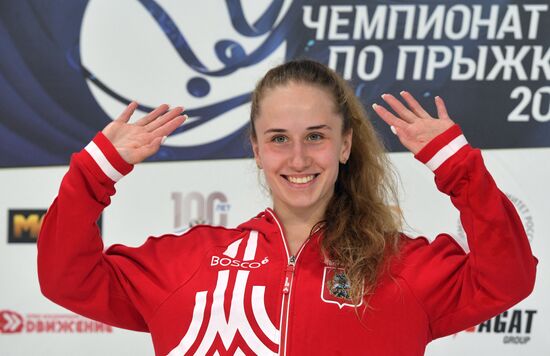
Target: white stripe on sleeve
x,y
103,162
446,152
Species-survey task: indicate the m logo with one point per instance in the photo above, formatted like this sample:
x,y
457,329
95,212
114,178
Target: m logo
x,y
24,225
335,288
227,326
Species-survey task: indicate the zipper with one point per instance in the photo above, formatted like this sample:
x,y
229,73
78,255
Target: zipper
x,y
287,286
289,275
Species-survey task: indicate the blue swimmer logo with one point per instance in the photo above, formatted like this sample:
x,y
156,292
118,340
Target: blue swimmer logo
x,y
206,60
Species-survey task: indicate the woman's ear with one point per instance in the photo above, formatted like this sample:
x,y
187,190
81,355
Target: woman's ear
x,y
256,151
346,146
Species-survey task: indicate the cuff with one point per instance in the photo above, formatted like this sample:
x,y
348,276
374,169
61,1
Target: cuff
x,y
107,160
441,148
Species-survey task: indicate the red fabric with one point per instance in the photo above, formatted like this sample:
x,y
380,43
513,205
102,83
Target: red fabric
x,y
437,289
438,143
110,151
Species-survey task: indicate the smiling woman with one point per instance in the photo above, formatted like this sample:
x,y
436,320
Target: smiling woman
x,y
299,147
304,119
326,270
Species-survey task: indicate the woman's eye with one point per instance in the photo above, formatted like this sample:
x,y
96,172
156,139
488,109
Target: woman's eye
x,y
279,139
314,137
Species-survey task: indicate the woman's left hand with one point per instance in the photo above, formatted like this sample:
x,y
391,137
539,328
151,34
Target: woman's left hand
x,y
414,126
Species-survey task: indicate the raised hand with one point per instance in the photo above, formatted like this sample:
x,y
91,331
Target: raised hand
x,y
413,126
135,142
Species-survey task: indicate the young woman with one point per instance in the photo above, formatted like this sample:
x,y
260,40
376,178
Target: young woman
x,y
326,270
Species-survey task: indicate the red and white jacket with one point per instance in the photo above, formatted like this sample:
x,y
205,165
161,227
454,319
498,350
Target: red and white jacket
x,y
216,290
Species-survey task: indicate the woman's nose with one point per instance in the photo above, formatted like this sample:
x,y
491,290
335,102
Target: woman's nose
x,y
299,157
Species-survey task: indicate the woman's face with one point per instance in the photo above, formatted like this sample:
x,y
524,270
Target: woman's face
x,y
299,144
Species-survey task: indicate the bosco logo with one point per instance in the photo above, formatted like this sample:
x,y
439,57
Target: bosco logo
x,y
204,55
195,209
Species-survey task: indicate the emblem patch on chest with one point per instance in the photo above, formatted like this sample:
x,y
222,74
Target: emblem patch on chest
x,y
336,288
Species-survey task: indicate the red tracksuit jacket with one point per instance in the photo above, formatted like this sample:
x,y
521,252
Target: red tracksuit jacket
x,y
237,291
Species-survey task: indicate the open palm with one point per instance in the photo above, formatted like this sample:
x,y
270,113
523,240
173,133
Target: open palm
x,y
137,141
414,126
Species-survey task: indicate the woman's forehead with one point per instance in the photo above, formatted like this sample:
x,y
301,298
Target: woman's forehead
x,y
299,88
297,110
297,98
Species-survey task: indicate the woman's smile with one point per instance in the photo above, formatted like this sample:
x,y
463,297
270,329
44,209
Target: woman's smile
x,y
300,180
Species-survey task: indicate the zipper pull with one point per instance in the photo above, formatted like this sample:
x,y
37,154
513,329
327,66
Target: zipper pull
x,y
289,273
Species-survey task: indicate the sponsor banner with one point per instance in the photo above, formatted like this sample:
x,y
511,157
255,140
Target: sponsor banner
x,y
515,325
513,332
24,225
63,333
195,208
12,322
73,68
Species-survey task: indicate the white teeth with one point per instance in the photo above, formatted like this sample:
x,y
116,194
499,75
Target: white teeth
x,y
300,180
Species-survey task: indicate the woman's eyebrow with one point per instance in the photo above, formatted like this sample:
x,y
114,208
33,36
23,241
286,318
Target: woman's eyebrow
x,y
316,127
319,127
274,130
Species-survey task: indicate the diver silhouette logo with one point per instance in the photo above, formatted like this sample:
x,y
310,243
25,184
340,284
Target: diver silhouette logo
x,y
201,55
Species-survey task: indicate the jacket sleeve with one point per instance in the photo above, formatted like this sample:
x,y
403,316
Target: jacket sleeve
x,y
119,286
458,289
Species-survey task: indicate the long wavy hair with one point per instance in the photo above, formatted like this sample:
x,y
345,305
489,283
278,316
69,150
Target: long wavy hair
x,y
362,220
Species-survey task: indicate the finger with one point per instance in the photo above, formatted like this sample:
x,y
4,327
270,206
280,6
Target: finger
x,y
388,117
168,127
152,115
400,109
441,109
127,113
415,105
155,124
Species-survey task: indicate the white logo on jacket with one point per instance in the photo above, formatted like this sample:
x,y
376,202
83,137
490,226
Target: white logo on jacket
x,y
226,326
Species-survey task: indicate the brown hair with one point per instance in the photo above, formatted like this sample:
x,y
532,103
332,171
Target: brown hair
x,y
360,224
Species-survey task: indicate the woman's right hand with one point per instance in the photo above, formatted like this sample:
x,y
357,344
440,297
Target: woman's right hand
x,y
137,141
